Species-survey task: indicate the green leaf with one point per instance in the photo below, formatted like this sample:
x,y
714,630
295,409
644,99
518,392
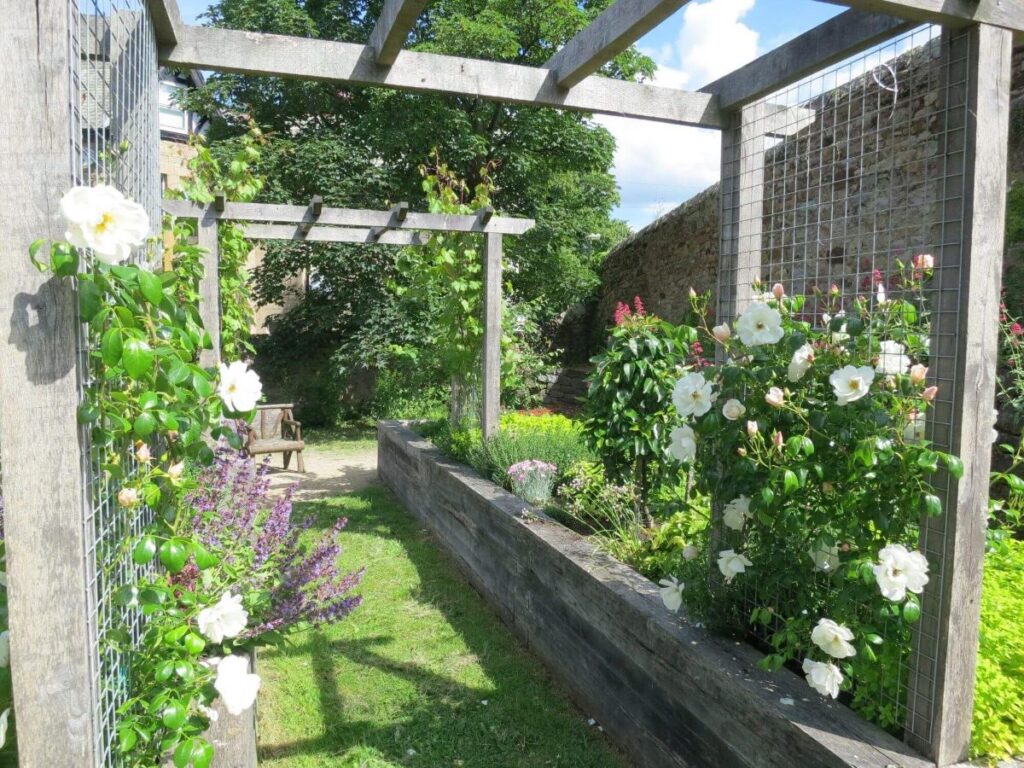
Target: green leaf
x,y
151,287
33,253
173,554
145,550
126,595
164,671
790,482
137,358
202,384
90,299
88,413
932,505
955,466
126,738
911,612
204,558
64,259
174,715
144,424
111,346
194,644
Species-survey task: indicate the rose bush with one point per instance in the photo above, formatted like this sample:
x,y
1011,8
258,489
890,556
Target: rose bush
x,y
810,437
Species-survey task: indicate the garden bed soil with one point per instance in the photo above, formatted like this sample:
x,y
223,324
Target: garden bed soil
x,y
667,691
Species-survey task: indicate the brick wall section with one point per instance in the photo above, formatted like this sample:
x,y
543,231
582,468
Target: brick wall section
x,y
679,250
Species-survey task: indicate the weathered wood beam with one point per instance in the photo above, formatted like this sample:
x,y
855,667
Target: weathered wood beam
x,y
167,22
613,31
209,286
322,234
397,19
490,402
253,53
351,217
485,214
1008,14
316,207
828,43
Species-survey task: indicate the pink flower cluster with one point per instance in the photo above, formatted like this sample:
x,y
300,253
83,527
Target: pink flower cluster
x,y
623,312
525,470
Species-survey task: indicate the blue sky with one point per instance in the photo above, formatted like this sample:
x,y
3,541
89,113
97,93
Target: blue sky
x,y
659,166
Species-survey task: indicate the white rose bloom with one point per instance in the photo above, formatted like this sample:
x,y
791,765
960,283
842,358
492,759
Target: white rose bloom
x,y
881,299
239,388
5,648
692,395
733,409
3,726
235,684
834,639
690,552
731,564
227,618
851,383
759,324
722,333
916,428
825,558
801,362
775,397
736,513
822,677
671,592
892,358
102,219
684,444
900,571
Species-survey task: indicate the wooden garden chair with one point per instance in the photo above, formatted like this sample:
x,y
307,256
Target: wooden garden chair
x,y
275,430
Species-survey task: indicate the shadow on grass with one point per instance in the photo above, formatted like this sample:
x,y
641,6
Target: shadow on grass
x,y
513,717
362,431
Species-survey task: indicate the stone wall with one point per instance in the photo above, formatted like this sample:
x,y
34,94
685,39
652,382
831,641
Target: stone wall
x,y
671,694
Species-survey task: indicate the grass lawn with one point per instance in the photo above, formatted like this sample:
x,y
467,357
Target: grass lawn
x,y
422,674
350,437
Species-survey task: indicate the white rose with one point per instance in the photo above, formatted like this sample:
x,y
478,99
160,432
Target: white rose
x,y
731,564
227,618
775,397
671,592
752,428
801,362
692,395
3,726
142,453
210,713
918,373
175,471
834,639
733,409
900,571
759,324
102,219
690,552
684,444
825,558
235,684
880,298
721,333
822,677
128,497
239,388
736,513
892,358
851,383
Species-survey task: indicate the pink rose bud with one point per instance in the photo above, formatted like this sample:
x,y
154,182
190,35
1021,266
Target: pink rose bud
x,y
142,454
834,289
918,373
930,393
751,428
721,333
777,440
775,397
778,291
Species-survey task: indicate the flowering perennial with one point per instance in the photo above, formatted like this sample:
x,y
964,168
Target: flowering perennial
x,y
533,480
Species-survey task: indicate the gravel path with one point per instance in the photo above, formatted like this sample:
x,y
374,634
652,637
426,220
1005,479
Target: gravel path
x,y
328,473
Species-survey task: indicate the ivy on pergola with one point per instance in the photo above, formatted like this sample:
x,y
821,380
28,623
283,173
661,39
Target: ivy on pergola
x,y
398,226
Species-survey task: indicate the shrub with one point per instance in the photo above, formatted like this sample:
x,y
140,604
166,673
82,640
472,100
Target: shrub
x,y
532,480
998,707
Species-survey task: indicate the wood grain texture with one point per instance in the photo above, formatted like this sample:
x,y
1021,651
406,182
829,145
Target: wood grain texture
x,y
254,53
942,681
397,19
750,194
395,218
828,43
166,19
667,691
43,491
615,29
490,402
950,13
374,236
209,288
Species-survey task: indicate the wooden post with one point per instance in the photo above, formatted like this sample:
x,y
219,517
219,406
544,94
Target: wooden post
x,y
490,402
52,643
209,288
750,192
964,352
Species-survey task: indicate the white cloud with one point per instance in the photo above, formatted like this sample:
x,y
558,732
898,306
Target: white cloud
x,y
658,164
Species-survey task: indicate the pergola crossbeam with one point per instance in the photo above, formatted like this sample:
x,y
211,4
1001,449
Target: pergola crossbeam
x,y
322,234
392,28
836,39
613,31
167,24
1008,14
254,53
353,217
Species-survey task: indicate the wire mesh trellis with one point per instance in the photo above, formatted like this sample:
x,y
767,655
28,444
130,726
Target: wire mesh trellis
x,y
834,181
115,136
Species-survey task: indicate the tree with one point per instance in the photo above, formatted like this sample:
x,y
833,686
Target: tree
x,y
363,147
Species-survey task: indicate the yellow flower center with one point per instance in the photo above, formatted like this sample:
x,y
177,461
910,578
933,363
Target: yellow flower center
x,y
104,223
854,383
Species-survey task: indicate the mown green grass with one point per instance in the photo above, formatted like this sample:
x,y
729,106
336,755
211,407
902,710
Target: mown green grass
x,y
423,674
348,437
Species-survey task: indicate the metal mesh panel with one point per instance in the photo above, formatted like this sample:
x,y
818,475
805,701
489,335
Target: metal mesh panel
x,y
115,134
833,181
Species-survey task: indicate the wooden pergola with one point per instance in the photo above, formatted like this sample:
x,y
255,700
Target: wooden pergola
x,y
398,226
46,483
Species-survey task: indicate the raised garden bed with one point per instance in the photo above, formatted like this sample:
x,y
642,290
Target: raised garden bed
x,y
668,692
